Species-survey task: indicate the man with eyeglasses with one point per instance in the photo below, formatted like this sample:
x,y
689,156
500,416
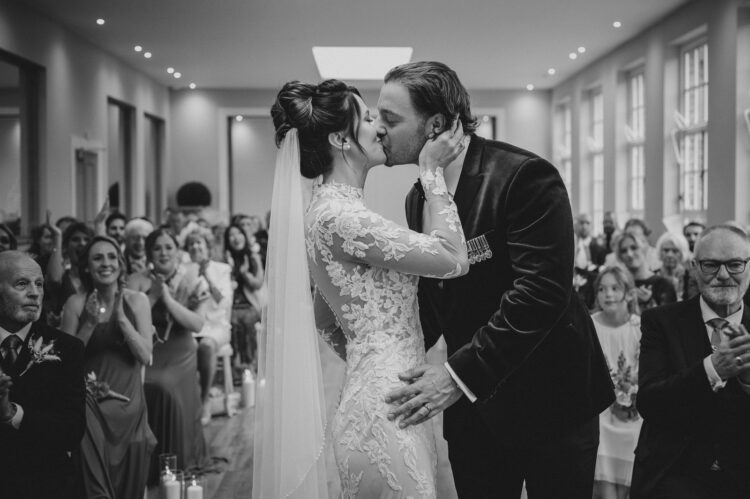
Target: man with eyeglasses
x,y
694,376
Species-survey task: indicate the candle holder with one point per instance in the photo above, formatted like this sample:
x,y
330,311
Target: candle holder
x,y
171,485
195,487
167,462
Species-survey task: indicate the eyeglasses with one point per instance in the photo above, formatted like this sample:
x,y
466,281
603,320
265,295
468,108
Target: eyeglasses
x,y
732,266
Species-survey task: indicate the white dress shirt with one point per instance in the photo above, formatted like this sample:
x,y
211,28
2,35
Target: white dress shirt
x,y
22,333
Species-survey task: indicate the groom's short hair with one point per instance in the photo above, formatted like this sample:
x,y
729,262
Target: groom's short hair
x,y
435,88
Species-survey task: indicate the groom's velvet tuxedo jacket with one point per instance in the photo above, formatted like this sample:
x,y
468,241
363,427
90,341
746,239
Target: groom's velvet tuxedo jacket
x,y
517,334
35,459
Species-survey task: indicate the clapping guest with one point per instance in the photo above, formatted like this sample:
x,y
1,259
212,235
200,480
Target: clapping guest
x,y
115,326
41,389
695,381
618,328
652,290
673,252
7,239
46,250
248,296
638,228
212,300
75,238
171,386
136,232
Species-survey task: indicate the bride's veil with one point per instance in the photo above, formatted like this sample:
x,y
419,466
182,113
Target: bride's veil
x,y
290,418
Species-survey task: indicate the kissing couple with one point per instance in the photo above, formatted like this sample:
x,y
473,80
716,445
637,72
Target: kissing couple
x,y
487,262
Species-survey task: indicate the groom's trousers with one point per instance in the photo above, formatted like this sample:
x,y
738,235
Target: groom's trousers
x,y
560,468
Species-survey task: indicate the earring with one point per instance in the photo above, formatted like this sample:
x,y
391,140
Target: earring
x,y
345,145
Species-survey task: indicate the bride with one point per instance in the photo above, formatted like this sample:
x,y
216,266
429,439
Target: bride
x,y
365,270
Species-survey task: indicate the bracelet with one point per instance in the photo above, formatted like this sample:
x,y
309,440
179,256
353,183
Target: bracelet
x,y
13,411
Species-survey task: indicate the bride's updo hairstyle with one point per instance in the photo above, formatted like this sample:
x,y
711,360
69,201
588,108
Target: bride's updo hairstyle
x,y
316,111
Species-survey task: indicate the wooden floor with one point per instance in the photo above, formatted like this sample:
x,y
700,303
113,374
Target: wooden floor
x,y
231,439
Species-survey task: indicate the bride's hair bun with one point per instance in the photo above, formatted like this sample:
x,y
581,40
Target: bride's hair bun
x,y
315,111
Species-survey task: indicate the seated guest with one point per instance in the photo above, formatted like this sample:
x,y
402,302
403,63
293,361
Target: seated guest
x,y
213,302
136,232
171,386
673,253
248,297
695,381
41,389
115,326
7,239
115,227
618,328
652,290
692,231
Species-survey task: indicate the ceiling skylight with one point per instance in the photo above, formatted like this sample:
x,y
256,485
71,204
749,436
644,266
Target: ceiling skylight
x,y
359,63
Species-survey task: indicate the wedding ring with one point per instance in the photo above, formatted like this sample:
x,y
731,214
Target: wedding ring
x,y
429,409
739,360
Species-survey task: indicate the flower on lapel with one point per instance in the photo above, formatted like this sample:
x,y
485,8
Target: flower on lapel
x,y
41,352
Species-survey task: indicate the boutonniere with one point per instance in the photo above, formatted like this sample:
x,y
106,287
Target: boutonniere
x,y
40,353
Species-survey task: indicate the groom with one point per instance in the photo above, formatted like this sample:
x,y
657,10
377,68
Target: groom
x,y
525,378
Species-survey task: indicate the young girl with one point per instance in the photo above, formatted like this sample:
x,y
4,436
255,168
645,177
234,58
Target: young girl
x,y
618,327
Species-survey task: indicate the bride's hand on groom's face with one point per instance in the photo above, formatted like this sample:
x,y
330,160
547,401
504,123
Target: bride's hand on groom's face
x,y
430,390
442,149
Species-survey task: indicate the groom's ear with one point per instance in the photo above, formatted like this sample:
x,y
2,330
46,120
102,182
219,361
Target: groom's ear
x,y
435,125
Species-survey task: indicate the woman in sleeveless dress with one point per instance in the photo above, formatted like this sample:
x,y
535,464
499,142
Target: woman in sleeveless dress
x,y
171,384
365,270
115,325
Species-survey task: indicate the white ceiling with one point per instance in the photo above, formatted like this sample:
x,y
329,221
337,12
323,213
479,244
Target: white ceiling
x,y
263,43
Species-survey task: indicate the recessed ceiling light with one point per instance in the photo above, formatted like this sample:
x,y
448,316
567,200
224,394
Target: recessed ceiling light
x,y
359,63
551,71
529,87
100,21
617,24
581,50
177,74
192,86
147,55
239,118
485,118
170,70
138,48
573,56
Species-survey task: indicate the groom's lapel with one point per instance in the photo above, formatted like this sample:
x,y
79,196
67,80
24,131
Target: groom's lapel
x,y
469,183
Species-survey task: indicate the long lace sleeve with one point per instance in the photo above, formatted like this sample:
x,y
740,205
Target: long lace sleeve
x,y
328,326
351,232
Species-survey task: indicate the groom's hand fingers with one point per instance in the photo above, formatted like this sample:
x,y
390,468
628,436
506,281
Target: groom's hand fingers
x,y
406,393
407,409
412,374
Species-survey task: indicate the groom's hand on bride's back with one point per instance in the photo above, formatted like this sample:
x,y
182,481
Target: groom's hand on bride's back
x,y
430,390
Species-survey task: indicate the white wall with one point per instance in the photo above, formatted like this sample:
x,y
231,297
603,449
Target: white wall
x,y
79,79
198,124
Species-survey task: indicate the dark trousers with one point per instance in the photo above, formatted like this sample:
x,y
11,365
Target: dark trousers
x,y
562,468
703,485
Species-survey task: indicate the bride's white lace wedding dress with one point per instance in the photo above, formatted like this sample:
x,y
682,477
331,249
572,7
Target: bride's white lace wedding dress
x,y
366,272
